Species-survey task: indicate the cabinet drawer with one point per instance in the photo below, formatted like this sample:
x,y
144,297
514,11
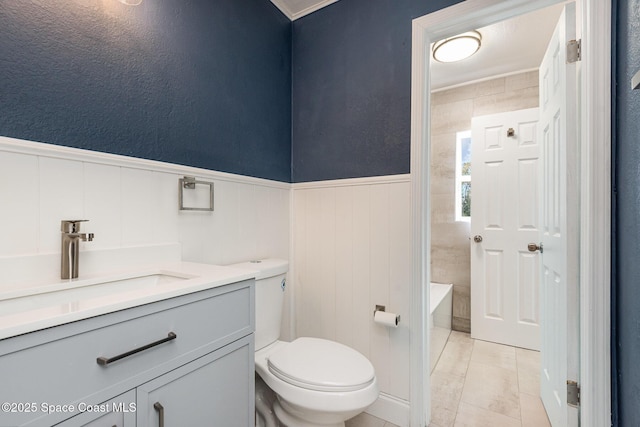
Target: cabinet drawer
x,y
66,371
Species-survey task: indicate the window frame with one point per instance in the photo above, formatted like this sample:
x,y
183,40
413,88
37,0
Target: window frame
x,y
460,179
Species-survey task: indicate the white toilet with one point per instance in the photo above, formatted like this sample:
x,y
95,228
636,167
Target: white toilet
x,y
317,382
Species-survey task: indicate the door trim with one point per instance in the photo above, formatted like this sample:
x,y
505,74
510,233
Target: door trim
x,y
595,194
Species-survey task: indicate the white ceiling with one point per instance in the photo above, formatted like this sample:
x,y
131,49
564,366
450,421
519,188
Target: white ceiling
x,y
510,46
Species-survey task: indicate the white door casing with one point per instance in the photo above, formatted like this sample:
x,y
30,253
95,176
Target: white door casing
x,y
505,197
559,211
595,191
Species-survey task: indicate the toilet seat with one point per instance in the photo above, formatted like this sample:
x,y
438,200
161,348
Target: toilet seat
x,y
321,365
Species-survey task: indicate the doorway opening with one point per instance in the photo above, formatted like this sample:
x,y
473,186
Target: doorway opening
x,y
595,24
482,220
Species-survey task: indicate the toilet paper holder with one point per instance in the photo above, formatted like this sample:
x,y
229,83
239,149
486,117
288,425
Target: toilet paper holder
x,y
388,319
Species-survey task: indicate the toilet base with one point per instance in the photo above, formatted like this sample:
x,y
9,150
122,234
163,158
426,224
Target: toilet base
x,y
288,420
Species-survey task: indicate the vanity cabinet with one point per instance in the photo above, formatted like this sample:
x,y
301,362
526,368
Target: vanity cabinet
x,y
186,396
196,362
117,412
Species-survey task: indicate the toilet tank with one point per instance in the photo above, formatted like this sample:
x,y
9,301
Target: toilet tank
x,y
270,286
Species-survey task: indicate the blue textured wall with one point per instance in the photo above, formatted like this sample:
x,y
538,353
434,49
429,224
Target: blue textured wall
x,y
204,83
352,88
627,104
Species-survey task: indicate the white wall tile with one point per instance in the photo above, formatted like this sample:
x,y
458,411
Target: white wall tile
x,y
61,198
19,188
103,205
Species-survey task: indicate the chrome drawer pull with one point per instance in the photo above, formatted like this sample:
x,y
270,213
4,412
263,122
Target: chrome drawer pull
x,y
104,361
158,407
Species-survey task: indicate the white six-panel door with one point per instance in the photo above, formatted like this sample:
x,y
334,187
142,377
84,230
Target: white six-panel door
x,y
505,276
560,226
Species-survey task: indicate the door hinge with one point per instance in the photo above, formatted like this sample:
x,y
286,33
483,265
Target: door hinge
x,y
574,51
573,393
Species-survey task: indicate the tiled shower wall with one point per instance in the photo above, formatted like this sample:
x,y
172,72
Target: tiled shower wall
x,y
451,112
133,203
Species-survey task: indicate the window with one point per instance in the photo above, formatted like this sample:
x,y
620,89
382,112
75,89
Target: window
x,y
463,176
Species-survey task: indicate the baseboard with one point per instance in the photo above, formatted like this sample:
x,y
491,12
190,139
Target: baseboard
x,y
391,409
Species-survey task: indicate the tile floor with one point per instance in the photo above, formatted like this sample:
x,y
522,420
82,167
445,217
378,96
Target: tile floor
x,y
481,384
366,420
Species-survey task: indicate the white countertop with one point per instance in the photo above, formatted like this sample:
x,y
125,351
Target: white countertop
x,y
28,309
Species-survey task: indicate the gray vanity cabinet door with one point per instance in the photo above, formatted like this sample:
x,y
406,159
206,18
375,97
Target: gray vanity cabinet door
x,y
214,390
117,412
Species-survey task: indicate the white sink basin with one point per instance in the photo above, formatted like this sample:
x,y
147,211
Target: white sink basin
x,y
73,296
24,309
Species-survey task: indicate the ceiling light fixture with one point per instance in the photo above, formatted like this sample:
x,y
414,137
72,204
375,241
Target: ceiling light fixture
x,y
457,48
131,2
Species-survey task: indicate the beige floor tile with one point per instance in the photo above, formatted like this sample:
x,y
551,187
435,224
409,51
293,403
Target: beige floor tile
x,y
528,359
446,390
388,424
533,413
460,337
455,358
365,420
493,354
472,416
441,416
492,388
528,371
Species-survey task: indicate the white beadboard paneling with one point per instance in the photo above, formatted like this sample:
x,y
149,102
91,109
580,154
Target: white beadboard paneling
x,y
344,247
132,206
379,293
192,234
311,307
20,146
327,271
362,312
352,251
165,216
139,191
299,257
19,188
103,204
272,222
399,287
61,198
227,230
247,232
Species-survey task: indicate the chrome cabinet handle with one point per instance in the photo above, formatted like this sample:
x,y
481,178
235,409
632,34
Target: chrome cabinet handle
x,y
477,238
160,409
104,361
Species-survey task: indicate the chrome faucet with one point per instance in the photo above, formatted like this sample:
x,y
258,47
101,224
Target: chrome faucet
x,y
70,244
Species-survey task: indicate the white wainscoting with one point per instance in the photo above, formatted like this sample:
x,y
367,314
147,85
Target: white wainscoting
x,y
351,251
132,202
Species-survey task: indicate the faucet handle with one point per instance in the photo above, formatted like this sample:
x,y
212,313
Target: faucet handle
x,y
71,225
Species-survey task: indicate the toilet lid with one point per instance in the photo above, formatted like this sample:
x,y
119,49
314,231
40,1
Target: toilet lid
x,y
321,365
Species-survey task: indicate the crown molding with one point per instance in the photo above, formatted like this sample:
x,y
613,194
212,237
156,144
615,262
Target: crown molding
x,y
284,8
